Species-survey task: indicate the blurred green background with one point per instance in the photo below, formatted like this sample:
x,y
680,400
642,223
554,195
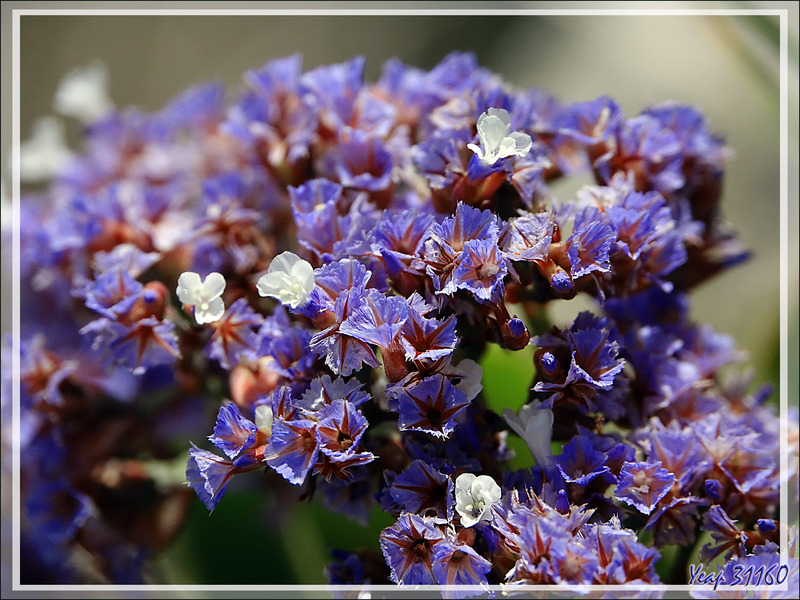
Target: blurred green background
x,y
727,66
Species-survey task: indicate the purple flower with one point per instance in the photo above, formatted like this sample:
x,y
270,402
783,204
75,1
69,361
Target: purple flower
x,y
428,339
643,484
331,91
443,158
648,151
459,564
673,521
340,428
139,346
727,536
339,436
234,337
324,391
480,270
528,237
113,293
573,563
408,547
377,319
233,432
588,249
430,405
359,161
423,490
344,353
578,363
292,448
580,462
208,475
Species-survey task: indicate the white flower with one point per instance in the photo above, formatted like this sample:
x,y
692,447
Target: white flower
x,y
203,295
475,496
82,93
496,141
289,278
45,152
535,426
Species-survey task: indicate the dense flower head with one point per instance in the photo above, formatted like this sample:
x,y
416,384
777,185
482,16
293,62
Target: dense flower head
x,y
328,265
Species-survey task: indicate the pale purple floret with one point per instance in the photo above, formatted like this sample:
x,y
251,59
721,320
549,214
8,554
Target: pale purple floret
x,y
423,490
292,448
143,344
588,249
428,339
314,206
324,390
340,426
579,462
377,319
466,224
674,520
481,269
528,236
344,353
649,151
679,451
233,432
339,431
459,564
573,562
272,116
591,122
331,280
442,158
331,91
126,257
728,538
587,358
408,547
112,293
691,129
208,475
398,237
643,484
234,336
632,562
430,406
359,162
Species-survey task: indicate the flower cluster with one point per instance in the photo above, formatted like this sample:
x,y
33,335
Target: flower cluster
x,y
322,262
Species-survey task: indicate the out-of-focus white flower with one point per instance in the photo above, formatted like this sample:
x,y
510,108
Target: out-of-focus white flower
x,y
475,496
204,295
6,216
45,152
83,93
497,140
289,279
535,426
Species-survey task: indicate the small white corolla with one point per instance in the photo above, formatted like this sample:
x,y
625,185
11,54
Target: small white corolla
x,y
204,295
535,426
475,496
289,279
497,140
